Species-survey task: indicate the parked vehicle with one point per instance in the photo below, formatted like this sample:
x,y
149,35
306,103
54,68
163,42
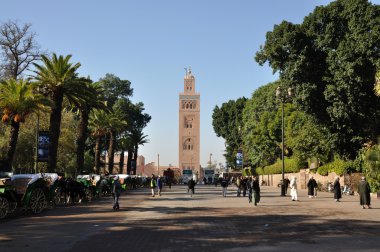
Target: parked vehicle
x,y
28,191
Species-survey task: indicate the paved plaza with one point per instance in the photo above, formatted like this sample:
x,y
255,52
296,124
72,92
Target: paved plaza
x,y
205,222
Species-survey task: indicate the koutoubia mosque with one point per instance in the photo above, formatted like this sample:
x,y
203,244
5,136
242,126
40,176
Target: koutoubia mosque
x,y
189,125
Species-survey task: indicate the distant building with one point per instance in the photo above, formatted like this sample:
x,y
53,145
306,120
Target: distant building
x,y
189,126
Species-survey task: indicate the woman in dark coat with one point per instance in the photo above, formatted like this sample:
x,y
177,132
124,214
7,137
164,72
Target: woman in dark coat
x,y
255,190
311,186
364,193
337,190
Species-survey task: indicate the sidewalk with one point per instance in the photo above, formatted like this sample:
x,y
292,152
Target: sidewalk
x,y
210,222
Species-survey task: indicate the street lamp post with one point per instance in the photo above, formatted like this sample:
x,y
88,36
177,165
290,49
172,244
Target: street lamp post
x,y
283,97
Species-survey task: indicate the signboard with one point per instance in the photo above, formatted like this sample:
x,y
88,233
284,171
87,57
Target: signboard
x,y
43,146
239,158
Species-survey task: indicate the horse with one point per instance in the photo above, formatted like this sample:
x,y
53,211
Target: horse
x,y
74,190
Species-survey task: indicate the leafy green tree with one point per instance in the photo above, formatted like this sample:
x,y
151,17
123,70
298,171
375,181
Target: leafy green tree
x,y
115,89
57,79
371,167
17,100
137,121
228,123
261,128
330,60
307,139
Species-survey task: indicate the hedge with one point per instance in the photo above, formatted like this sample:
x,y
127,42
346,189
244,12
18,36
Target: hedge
x,y
338,166
292,165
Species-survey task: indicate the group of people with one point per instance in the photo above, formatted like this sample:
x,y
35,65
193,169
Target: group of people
x,y
364,191
156,183
252,186
248,184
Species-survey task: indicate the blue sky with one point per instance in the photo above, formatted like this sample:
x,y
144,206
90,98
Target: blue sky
x,y
150,42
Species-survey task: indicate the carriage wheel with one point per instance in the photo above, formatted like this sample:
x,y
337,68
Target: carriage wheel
x,y
3,207
57,199
38,201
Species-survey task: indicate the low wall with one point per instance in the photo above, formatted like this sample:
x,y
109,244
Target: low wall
x,y
302,177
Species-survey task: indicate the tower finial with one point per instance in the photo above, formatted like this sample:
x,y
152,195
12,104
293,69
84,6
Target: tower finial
x,y
185,71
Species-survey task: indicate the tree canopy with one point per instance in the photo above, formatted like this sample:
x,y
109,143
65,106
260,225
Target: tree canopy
x,y
227,122
331,60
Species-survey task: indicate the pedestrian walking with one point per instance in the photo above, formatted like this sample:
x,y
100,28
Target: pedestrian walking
x,y
311,187
116,190
286,183
153,184
159,185
337,190
224,184
364,191
169,182
249,189
293,189
191,187
244,185
255,190
238,184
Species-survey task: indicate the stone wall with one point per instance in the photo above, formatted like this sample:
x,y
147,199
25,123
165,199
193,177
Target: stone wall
x,y
302,177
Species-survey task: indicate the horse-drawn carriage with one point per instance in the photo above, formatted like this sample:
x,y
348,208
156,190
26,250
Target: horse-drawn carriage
x,y
92,185
28,191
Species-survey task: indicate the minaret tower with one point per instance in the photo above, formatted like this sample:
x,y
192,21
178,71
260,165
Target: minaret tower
x,y
189,126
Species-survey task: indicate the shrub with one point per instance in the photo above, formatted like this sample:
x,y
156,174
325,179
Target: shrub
x,y
338,166
292,165
371,167
259,171
323,170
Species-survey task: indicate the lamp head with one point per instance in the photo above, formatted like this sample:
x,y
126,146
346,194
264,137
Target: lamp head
x,y
278,92
290,92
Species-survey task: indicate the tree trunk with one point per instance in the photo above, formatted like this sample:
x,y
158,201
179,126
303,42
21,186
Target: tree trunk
x,y
111,151
135,155
15,127
54,129
97,155
121,163
81,139
130,152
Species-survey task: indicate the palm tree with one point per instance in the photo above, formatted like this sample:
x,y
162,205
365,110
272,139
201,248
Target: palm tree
x,y
17,100
98,127
56,77
124,143
138,138
116,125
92,99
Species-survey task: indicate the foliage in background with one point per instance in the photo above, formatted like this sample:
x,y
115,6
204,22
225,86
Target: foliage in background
x,y
227,122
339,166
330,60
260,132
292,165
371,167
